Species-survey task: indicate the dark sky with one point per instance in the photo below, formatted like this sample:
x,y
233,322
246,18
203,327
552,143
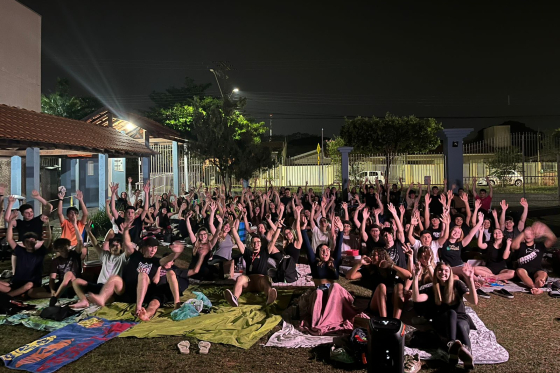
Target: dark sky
x,y
313,63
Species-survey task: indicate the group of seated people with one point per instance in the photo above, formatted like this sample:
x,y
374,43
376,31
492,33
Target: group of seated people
x,y
409,248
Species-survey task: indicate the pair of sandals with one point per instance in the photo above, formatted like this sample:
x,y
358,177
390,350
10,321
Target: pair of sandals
x,y
203,347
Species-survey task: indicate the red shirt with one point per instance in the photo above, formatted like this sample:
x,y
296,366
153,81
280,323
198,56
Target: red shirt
x,y
486,202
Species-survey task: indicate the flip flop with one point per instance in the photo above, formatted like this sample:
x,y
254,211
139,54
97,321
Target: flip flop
x,y
184,347
204,347
554,293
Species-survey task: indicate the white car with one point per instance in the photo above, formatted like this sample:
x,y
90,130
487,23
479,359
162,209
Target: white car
x,y
371,176
511,178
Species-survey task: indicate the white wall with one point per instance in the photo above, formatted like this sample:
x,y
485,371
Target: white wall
x,y
20,56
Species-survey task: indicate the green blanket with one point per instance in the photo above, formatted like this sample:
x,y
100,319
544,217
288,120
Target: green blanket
x,y
239,326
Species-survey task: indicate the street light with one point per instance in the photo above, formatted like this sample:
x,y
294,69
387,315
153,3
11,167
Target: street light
x,y
235,90
216,76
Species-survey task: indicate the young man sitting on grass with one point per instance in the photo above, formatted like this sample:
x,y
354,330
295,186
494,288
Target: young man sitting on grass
x,y
173,281
28,270
255,278
141,270
67,266
530,255
72,213
113,259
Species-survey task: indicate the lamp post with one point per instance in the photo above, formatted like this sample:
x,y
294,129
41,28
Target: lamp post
x,y
219,87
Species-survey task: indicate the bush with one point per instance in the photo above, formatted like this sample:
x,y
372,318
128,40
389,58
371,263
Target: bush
x,y
101,223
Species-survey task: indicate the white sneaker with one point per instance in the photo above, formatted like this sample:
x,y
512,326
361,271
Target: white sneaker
x,y
231,299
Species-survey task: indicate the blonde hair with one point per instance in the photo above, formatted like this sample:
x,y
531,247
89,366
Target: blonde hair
x,y
448,296
197,243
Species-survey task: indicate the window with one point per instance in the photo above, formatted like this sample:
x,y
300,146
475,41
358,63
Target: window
x,y
90,168
118,164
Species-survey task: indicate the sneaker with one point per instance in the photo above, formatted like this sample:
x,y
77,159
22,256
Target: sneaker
x,y
412,364
556,284
272,294
482,294
231,299
465,355
503,293
454,348
340,354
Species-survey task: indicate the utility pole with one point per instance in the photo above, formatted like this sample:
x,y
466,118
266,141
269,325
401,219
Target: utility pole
x,y
270,128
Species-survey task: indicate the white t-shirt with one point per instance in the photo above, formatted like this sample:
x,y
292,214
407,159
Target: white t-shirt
x,y
434,246
319,238
111,265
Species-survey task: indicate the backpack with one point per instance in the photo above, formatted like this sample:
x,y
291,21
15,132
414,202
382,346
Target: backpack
x,y
359,344
286,270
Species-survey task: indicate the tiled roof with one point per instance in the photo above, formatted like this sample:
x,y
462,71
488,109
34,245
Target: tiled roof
x,y
21,128
154,128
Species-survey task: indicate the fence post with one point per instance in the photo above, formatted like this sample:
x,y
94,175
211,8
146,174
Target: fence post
x,y
523,162
344,150
453,152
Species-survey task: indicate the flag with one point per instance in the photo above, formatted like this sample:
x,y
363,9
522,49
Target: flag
x,y
318,154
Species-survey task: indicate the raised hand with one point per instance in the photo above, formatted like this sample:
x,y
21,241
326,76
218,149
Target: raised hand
x,y
79,195
468,271
365,214
338,224
408,250
477,203
465,198
146,187
11,199
35,193
504,205
298,209
219,219
130,180
366,260
87,227
344,205
114,188
480,217
392,209
418,271
523,203
495,213
402,210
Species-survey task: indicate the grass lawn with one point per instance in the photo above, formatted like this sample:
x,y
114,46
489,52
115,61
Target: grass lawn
x,y
525,326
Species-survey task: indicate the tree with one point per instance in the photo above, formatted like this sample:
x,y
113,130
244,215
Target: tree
x,y
62,104
391,135
335,156
174,96
221,135
503,162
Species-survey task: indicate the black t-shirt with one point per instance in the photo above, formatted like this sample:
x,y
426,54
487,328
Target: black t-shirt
x,y
258,264
370,199
514,233
495,257
136,231
432,309
34,225
286,200
292,251
138,264
29,266
372,245
397,255
450,253
435,205
530,257
436,233
61,265
395,197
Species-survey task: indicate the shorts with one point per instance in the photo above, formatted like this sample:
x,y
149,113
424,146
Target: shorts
x,y
163,294
93,287
533,271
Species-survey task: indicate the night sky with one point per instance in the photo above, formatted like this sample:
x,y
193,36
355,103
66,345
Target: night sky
x,y
311,64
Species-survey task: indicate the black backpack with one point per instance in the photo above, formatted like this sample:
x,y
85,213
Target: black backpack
x,y
286,270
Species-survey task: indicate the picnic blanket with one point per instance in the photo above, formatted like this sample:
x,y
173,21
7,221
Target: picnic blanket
x,y
239,326
485,348
514,287
63,346
31,319
304,279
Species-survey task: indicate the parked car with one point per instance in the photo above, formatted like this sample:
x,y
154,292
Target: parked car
x,y
371,176
511,178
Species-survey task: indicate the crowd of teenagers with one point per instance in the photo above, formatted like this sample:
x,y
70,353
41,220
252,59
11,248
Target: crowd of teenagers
x,y
429,249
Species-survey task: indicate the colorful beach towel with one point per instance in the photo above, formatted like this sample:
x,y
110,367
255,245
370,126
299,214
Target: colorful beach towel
x,y
64,345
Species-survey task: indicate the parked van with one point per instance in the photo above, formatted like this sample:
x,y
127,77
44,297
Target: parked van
x,y
371,176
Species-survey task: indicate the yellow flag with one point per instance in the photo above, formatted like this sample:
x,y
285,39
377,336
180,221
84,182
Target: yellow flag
x,y
318,153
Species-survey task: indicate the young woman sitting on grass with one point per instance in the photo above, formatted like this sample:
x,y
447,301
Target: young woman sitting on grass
x,y
446,308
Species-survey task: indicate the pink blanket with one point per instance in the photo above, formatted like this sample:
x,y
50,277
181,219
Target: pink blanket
x,y
327,312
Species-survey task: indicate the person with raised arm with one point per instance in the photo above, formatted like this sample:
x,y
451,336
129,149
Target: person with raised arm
x,y
446,308
67,265
320,234
71,213
496,251
27,262
29,222
113,259
203,243
485,198
426,236
292,241
507,224
255,279
130,214
530,254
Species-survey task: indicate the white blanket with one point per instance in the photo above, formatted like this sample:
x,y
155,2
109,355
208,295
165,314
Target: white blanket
x,y
485,348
